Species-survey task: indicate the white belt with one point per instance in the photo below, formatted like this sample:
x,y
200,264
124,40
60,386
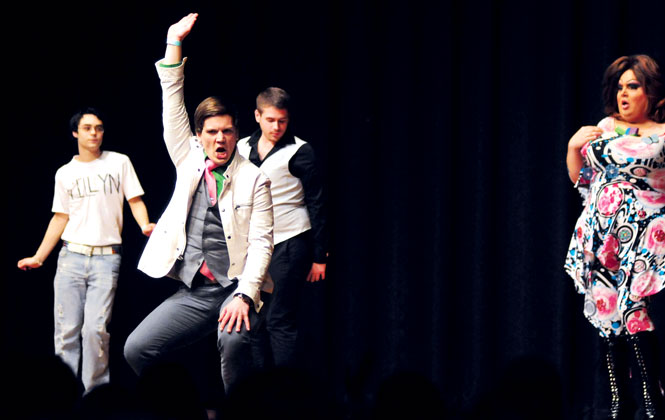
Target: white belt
x,y
92,250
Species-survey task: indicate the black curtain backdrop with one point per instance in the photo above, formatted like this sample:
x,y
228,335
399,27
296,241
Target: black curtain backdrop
x,y
442,130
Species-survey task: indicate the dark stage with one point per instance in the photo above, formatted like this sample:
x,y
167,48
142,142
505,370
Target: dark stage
x,y
442,129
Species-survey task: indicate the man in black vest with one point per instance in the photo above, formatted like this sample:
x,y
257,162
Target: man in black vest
x,y
300,223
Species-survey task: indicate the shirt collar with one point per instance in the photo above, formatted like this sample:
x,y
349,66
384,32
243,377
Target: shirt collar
x,y
286,139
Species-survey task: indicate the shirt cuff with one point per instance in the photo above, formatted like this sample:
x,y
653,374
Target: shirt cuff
x,y
169,66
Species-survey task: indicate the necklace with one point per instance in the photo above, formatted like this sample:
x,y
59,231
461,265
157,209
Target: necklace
x,y
628,131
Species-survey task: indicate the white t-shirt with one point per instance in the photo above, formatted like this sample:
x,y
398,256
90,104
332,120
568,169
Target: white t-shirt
x,y
92,194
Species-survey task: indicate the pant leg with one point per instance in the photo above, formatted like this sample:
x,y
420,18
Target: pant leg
x,y
69,297
261,353
102,276
291,261
185,317
235,350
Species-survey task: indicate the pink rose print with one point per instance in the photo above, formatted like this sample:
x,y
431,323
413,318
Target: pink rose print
x,y
609,199
656,180
606,301
607,254
655,236
645,284
651,199
634,147
639,321
579,236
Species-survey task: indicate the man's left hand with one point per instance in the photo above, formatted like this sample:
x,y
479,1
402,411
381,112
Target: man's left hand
x,y
318,272
235,313
147,229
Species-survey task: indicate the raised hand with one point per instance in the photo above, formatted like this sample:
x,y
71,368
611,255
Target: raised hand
x,y
179,31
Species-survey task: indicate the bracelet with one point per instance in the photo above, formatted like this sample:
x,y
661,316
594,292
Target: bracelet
x,y
174,42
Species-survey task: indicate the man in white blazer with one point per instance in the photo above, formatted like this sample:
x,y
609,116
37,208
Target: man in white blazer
x,y
216,234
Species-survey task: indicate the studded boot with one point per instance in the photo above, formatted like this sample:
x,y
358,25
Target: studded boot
x,y
617,370
645,354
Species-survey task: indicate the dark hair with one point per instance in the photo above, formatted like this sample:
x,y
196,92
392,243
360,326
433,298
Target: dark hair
x,y
648,74
76,118
273,96
212,107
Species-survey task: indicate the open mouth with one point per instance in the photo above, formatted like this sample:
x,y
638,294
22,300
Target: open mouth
x,y
221,152
624,105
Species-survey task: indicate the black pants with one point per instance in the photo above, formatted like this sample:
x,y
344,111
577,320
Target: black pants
x,y
290,264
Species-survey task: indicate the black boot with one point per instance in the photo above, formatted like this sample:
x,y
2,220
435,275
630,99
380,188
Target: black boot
x,y
617,370
644,348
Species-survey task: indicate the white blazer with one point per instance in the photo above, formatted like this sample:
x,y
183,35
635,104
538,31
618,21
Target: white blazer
x,y
245,205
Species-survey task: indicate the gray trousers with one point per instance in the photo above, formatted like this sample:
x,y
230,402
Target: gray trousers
x,y
185,317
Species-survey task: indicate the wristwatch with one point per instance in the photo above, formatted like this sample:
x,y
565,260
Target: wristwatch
x,y
244,298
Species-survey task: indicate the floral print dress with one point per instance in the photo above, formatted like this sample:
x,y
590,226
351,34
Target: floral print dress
x,y
617,252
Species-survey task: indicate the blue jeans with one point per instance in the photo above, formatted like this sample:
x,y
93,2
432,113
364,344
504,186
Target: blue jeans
x,y
188,316
84,288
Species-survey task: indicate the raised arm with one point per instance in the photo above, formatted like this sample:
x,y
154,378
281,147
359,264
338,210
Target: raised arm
x,y
177,131
51,238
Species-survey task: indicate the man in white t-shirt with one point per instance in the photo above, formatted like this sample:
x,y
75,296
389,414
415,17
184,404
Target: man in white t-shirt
x,y
87,207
